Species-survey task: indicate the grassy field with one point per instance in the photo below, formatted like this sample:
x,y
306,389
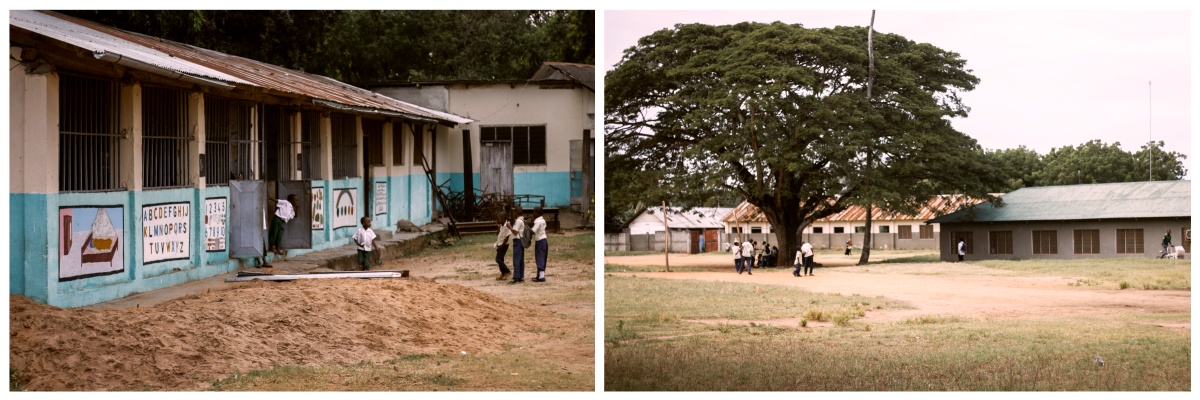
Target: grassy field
x,y
651,344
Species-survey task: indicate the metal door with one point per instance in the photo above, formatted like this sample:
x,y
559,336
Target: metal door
x,y
710,240
694,246
247,204
297,233
496,168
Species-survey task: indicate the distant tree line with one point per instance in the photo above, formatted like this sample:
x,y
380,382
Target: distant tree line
x,y
378,45
1091,162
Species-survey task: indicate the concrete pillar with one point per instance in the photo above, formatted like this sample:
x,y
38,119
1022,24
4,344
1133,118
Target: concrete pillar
x,y
388,137
296,148
131,145
39,147
358,146
196,145
325,160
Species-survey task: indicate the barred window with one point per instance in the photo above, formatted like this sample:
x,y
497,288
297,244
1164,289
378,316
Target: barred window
x,y
89,156
885,229
345,146
373,140
818,230
838,229
756,229
1130,241
529,142
926,231
905,231
860,229
277,132
397,144
228,140
310,144
1087,241
1000,242
164,137
1045,242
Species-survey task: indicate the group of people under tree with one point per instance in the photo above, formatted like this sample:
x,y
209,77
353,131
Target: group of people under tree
x,y
513,227
744,256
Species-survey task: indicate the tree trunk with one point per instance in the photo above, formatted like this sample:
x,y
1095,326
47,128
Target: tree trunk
x,y
866,247
787,224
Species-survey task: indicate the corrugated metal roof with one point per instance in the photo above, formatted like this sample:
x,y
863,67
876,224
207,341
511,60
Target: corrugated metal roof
x,y
699,217
205,63
937,205
1162,199
584,74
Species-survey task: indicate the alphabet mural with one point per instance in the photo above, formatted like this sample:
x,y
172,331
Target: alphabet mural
x,y
91,242
165,232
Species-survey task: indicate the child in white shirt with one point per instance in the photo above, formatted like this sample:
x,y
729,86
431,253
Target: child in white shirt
x,y
365,239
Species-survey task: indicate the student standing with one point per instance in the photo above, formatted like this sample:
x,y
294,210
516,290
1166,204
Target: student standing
x,y
284,212
962,248
849,245
501,245
364,241
541,246
747,256
737,256
518,229
807,249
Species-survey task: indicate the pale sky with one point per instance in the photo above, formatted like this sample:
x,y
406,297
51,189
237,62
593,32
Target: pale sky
x,y
1047,78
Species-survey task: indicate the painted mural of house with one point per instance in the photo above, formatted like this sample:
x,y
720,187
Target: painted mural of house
x,y
531,137
139,163
892,230
1074,221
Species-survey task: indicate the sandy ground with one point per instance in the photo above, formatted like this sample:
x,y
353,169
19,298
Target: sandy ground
x,y
959,290
446,307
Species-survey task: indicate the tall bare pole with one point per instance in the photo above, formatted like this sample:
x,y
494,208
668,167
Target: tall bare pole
x,y
666,238
1150,100
865,254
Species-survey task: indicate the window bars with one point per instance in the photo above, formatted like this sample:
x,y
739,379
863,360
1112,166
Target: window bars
x,y
89,154
164,138
228,140
310,144
345,144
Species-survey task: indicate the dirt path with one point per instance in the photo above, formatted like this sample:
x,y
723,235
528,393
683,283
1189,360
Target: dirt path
x,y
966,291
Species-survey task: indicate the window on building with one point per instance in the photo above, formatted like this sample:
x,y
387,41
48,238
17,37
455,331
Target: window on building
x,y
756,229
1186,234
1045,242
373,140
905,231
885,229
967,237
229,146
1000,242
89,156
310,145
418,153
817,229
276,123
1087,241
529,142
345,145
926,231
1130,241
838,229
164,137
860,229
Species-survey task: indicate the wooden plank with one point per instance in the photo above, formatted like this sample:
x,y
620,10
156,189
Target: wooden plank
x,y
292,277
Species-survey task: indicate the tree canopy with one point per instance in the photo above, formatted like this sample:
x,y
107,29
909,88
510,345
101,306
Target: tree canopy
x,y
1091,162
373,46
778,114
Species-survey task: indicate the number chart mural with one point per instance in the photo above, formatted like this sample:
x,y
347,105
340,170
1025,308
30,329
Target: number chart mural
x,y
318,208
165,232
343,208
91,242
215,211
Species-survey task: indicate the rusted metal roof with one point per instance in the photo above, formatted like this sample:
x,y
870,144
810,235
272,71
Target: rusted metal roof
x,y
698,217
937,205
1162,199
584,74
234,70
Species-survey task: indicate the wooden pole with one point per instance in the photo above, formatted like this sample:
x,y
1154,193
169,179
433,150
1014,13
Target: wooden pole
x,y
667,238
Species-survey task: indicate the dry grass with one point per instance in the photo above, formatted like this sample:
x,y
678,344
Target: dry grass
x,y
929,353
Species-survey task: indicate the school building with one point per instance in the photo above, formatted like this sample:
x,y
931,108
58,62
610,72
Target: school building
x,y
1103,220
139,163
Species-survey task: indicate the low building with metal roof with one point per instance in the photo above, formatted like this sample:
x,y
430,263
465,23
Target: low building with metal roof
x,y
1073,221
139,163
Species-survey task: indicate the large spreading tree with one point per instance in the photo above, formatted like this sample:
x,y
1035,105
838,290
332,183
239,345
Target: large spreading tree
x,y
779,114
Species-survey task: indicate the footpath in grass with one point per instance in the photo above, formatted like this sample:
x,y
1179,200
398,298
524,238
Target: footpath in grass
x,y
650,345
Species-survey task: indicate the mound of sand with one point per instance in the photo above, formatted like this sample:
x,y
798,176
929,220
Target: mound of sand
x,y
188,343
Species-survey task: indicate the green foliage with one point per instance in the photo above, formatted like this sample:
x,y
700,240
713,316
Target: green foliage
x,y
777,113
1091,162
378,45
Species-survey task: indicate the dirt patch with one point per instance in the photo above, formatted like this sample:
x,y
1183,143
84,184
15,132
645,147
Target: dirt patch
x,y
969,296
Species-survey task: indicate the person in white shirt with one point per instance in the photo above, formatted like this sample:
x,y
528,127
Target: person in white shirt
x,y
284,211
364,240
805,256
501,245
747,257
541,246
737,256
518,228
962,248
